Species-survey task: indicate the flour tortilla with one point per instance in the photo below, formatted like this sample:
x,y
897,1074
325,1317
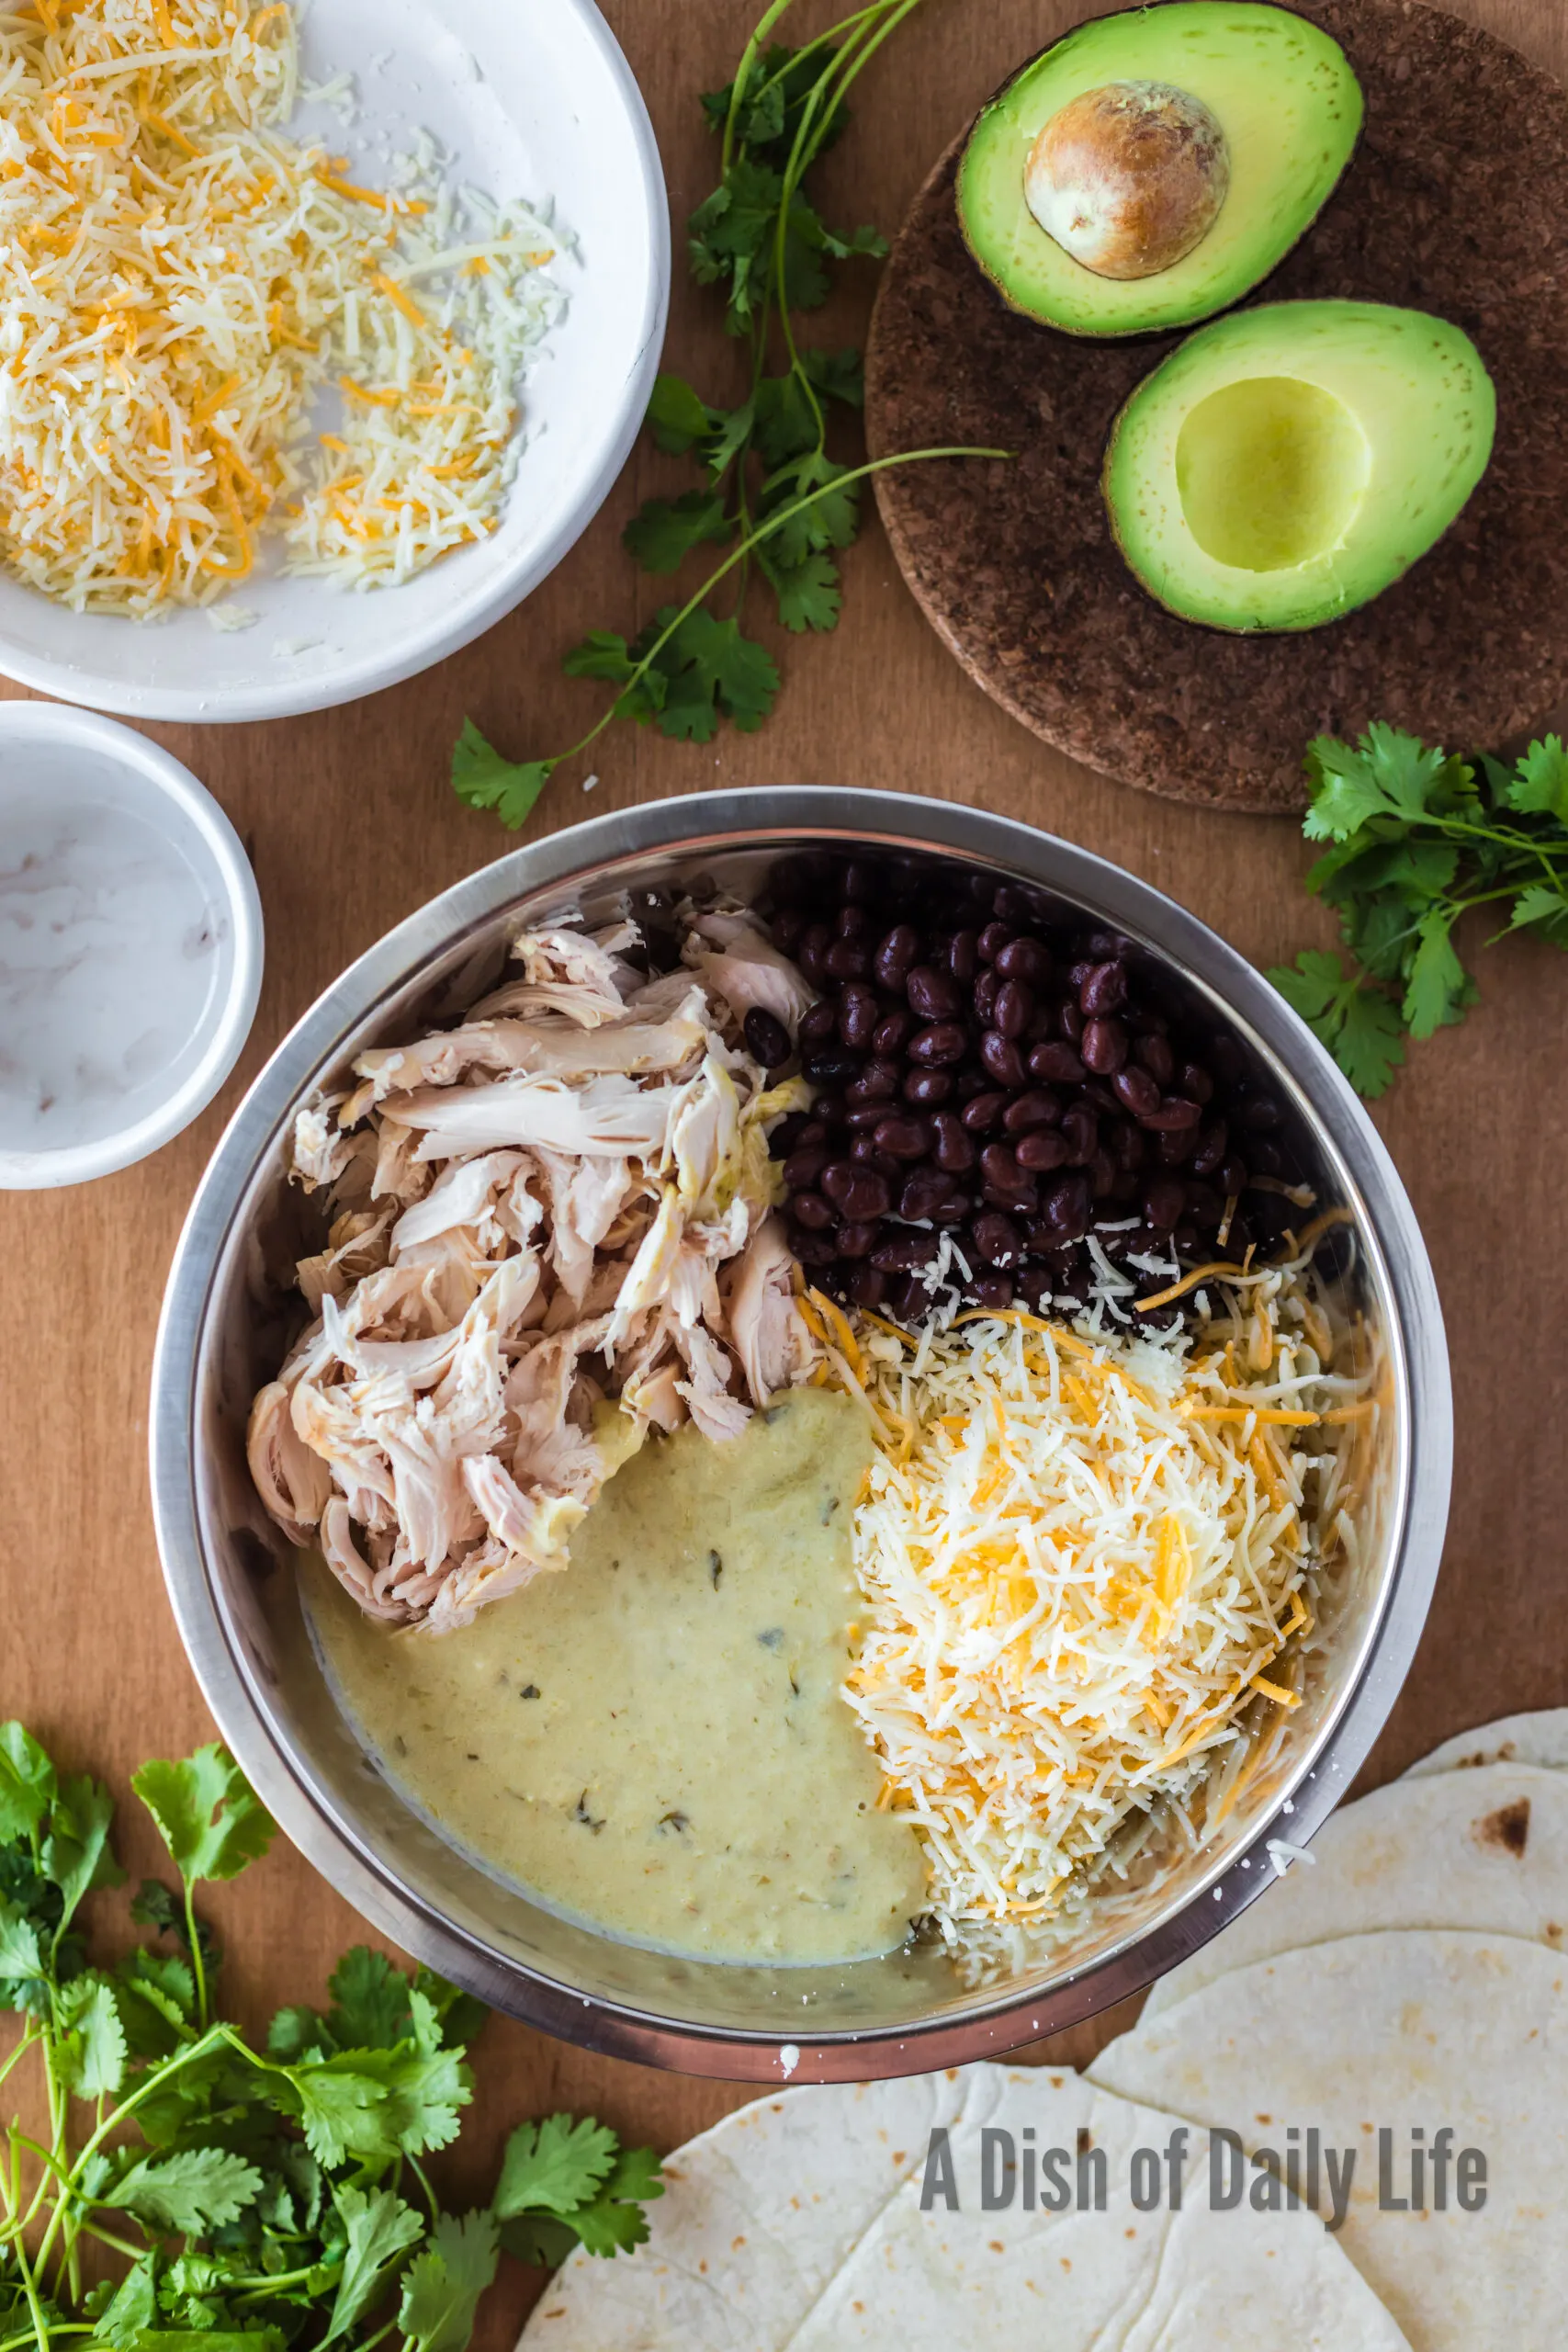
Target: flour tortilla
x,y
796,2223
1398,2029
1486,1850
1539,1739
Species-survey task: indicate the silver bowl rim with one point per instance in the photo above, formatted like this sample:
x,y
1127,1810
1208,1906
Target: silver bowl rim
x,y
584,856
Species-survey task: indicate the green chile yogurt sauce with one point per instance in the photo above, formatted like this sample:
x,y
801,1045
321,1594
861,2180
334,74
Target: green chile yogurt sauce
x,y
654,1742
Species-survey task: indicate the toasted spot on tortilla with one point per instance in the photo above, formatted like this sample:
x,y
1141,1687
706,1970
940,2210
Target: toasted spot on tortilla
x,y
1509,1827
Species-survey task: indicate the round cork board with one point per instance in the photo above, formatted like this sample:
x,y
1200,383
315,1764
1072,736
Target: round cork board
x,y
1457,202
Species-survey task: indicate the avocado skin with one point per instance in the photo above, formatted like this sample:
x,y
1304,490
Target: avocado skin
x,y
1375,517
1134,67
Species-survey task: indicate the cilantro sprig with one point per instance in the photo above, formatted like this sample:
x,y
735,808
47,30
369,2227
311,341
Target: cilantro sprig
x,y
1418,838
771,488
244,2199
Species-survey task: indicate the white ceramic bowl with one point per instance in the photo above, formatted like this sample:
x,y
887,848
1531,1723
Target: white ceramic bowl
x,y
529,98
85,797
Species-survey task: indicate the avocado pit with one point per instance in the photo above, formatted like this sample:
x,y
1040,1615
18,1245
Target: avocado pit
x,y
1129,178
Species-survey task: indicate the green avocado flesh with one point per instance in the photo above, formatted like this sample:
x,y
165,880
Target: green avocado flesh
x,y
1290,108
1289,463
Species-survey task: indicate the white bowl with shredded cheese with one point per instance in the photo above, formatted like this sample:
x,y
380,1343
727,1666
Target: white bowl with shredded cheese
x,y
323,335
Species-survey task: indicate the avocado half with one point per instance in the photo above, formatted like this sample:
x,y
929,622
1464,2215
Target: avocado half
x,y
1289,463
1284,98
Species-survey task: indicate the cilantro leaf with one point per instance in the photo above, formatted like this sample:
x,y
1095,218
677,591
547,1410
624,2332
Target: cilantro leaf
x,y
90,2052
133,2308
482,779
615,2223
27,1782
1438,979
206,1812
808,591
380,2229
21,1955
1544,909
442,2286
370,2001
678,417
1357,1023
554,2163
378,2104
76,1853
540,2239
1540,785
188,2192
462,2017
663,531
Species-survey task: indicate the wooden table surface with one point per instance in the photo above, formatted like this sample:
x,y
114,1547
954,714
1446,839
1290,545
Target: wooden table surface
x,y
350,822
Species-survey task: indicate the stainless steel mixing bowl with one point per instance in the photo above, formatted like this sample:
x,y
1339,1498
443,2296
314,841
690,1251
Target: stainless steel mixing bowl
x,y
235,1595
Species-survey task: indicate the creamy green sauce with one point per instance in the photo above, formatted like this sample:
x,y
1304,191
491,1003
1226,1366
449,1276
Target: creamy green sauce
x,y
654,1741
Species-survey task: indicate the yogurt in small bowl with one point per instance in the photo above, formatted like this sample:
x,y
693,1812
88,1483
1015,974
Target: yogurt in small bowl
x,y
130,946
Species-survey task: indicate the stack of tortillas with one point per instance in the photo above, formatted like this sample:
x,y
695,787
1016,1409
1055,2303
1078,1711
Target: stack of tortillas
x,y
1413,1979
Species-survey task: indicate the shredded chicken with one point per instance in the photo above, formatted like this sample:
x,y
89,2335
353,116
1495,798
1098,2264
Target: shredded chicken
x,y
549,1231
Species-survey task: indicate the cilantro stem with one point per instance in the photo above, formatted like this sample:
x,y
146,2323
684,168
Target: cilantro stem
x,y
199,1966
29,2040
754,538
749,57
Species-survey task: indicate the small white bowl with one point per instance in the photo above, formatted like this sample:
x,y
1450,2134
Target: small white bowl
x,y
130,946
528,99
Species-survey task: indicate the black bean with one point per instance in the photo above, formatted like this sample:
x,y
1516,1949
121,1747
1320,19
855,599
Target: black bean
x,y
1265,1159
899,948
857,1191
1214,1143
1204,1205
1175,1110
1104,990
861,1117
935,996
857,1239
1233,1179
1163,1199
926,1087
812,1211
998,1241
865,1152
812,953
831,1069
1066,1208
1102,1174
999,1166
866,1286
1014,1008
992,1290
992,939
767,1039
819,1021
1103,1046
1056,1062
1080,1125
982,1111
1035,1285
786,1134
1022,1200
1024,959
802,1168
1001,1059
787,927
847,959
954,1145
971,1082
904,1138
944,1041
858,1014
923,1193
985,995
892,1032
1195,1080
1043,1148
902,1252
860,879
1153,1054
852,922
964,955
1259,1113
813,1247
1173,1146
1128,1145
878,1081
1137,1091
1037,1108
1072,1023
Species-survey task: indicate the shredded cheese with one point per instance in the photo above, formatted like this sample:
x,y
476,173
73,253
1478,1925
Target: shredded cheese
x,y
179,283
1085,1556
